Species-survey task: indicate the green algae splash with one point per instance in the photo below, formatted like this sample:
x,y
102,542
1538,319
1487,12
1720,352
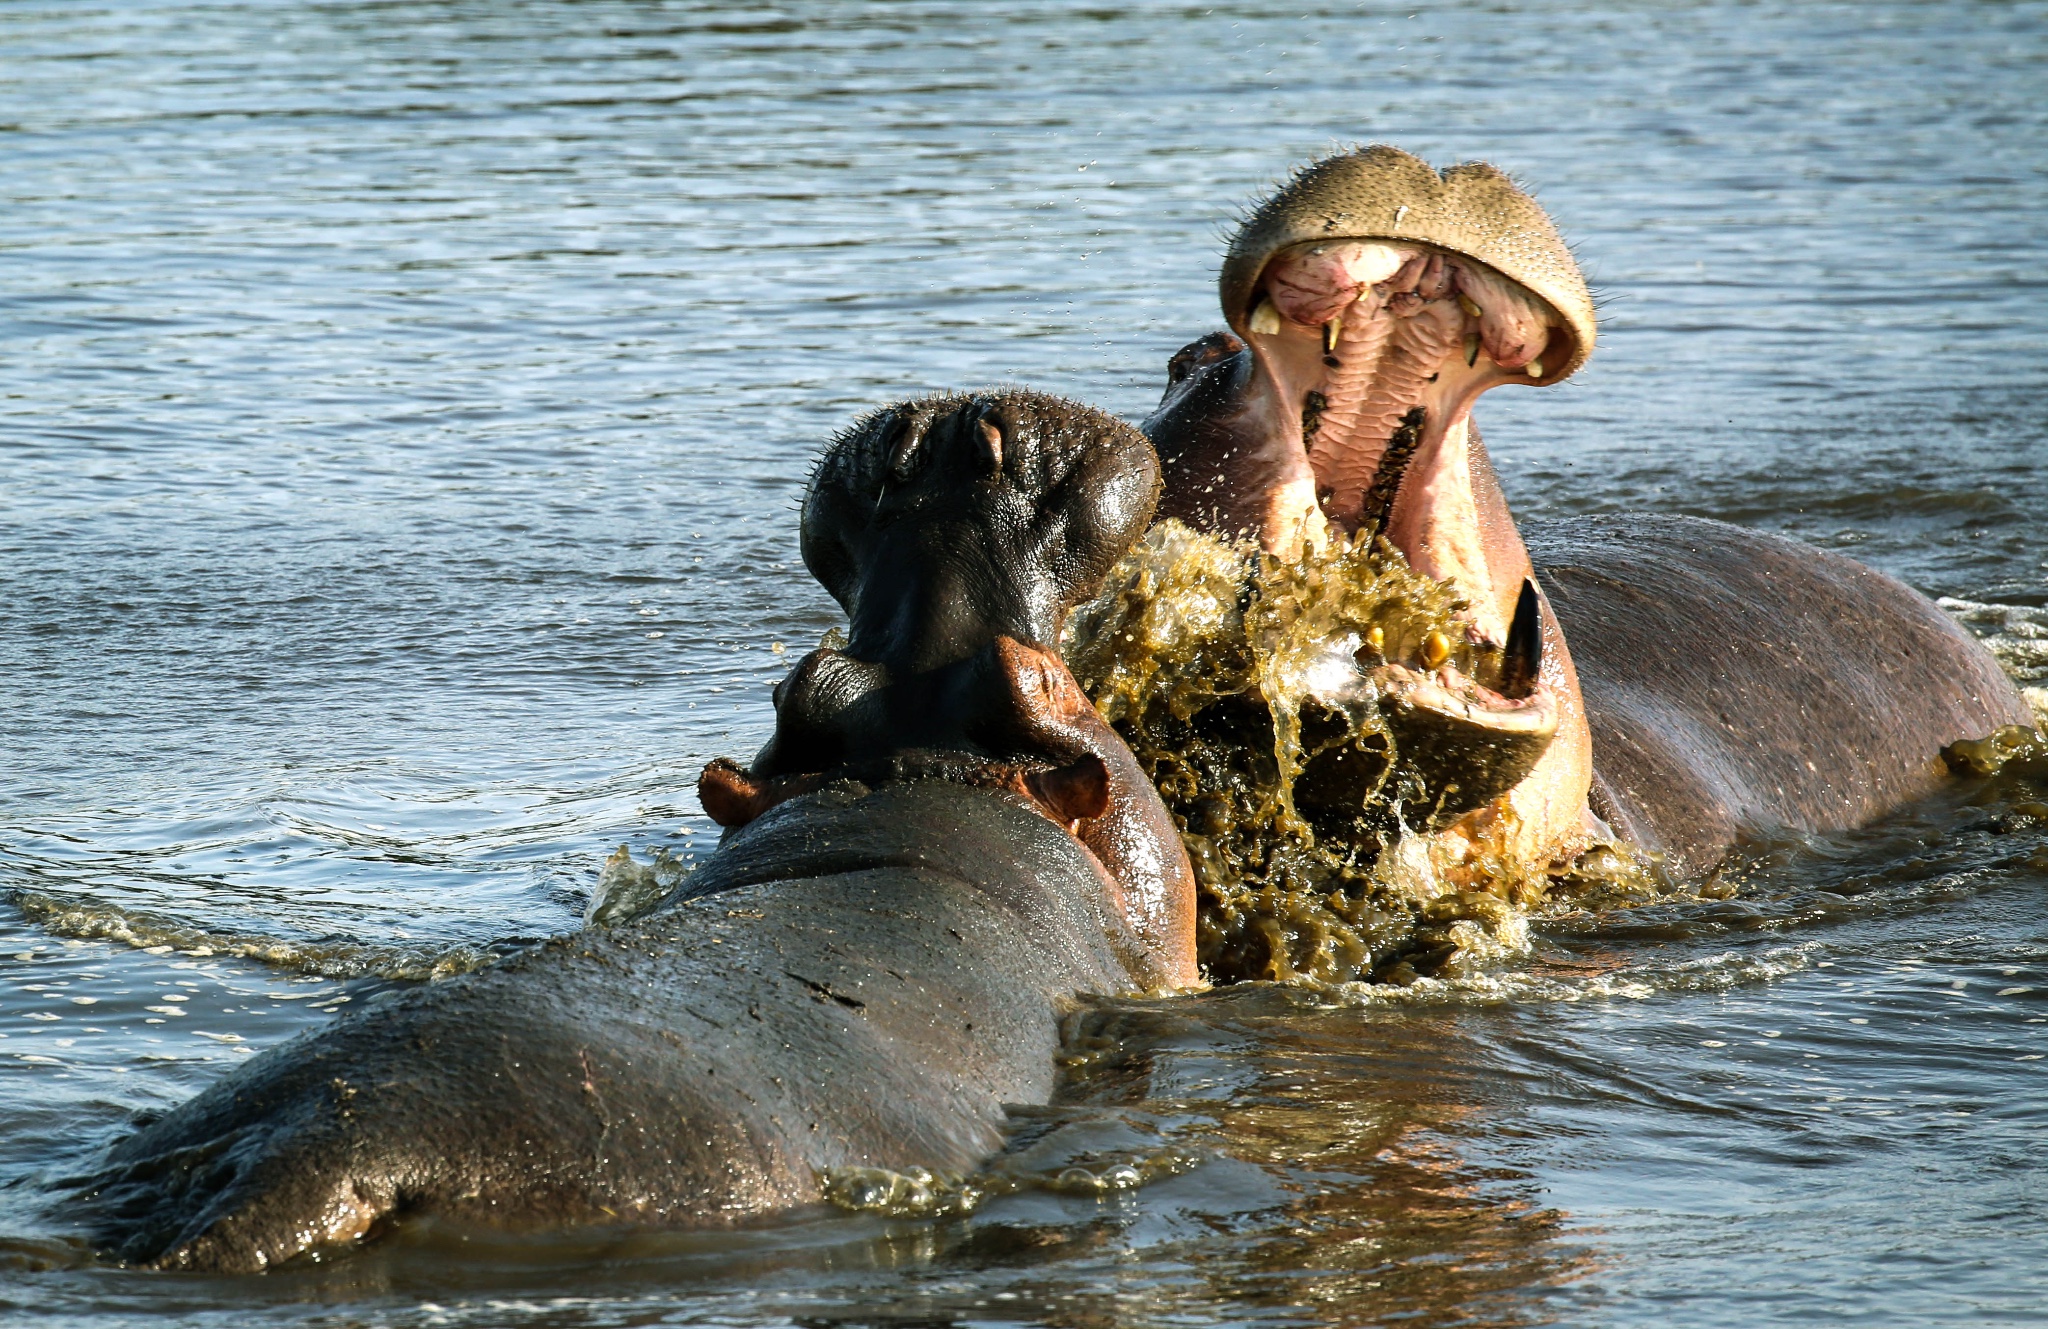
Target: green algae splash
x,y
1230,672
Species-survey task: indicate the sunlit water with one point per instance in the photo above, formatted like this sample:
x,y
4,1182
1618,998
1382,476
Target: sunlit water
x,y
402,408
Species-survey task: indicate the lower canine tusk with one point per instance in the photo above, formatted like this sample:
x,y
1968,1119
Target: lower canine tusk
x,y
1471,349
1522,659
1331,331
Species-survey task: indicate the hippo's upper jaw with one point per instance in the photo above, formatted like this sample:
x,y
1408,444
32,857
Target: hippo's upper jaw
x,y
1385,345
1377,299
1370,302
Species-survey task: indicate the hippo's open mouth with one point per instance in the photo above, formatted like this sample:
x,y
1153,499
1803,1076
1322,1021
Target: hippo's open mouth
x,y
1386,347
1371,301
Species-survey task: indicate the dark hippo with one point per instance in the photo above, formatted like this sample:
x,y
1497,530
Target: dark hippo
x,y
1678,683
940,847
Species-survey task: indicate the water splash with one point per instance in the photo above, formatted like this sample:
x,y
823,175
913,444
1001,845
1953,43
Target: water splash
x,y
90,920
2017,752
918,1192
627,889
2017,637
1229,671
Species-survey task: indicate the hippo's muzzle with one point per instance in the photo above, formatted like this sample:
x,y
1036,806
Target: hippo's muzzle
x,y
1370,302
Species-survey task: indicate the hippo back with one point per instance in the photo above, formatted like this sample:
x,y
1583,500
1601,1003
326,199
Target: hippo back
x,y
858,978
1739,682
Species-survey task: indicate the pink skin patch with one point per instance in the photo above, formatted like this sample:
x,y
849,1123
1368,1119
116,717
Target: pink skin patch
x,y
1514,326
1315,284
1362,333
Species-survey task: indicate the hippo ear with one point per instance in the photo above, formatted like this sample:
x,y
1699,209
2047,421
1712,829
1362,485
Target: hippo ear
x,y
881,449
1078,791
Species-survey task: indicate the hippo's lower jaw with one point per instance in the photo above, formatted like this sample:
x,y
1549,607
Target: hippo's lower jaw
x,y
1461,743
1466,744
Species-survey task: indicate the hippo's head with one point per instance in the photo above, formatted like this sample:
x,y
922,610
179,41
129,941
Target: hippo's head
x,y
1371,300
957,532
1377,299
944,522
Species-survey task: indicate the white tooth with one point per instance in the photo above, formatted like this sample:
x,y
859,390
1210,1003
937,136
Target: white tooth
x,y
1331,331
1468,304
1265,319
1535,369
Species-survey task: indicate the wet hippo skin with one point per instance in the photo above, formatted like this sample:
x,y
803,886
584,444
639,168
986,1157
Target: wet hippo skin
x,y
854,995
1737,683
940,849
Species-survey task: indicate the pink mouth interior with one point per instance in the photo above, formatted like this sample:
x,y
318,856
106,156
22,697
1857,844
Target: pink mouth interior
x,y
1365,334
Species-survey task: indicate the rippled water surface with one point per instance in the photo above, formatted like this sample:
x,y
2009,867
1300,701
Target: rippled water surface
x,y
402,408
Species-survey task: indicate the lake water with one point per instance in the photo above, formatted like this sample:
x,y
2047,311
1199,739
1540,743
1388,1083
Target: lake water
x,y
402,409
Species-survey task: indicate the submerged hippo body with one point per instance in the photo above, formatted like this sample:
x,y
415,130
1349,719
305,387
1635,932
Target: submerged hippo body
x,y
941,847
1739,683
876,974
1695,683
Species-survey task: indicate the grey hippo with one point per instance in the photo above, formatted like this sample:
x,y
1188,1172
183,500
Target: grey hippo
x,y
944,846
941,847
1672,684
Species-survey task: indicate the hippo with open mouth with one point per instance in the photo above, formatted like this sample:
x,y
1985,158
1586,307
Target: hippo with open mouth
x,y
942,846
944,843
1667,683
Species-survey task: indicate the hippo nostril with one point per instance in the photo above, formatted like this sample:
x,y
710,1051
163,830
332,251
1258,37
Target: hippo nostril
x,y
1078,791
